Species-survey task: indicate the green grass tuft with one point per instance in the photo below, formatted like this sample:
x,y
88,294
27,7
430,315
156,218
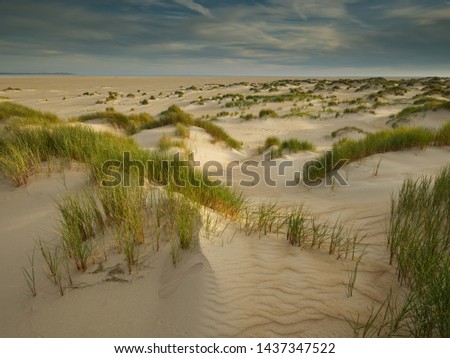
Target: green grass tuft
x,y
272,141
342,130
268,113
420,106
81,221
165,143
174,115
419,243
379,142
131,123
294,145
13,112
182,130
218,133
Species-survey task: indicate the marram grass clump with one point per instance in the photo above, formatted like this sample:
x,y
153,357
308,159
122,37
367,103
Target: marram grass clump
x,y
174,115
81,221
388,140
131,123
419,244
10,111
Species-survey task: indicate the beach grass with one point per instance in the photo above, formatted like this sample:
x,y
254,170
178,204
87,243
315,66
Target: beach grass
x,y
272,141
419,243
443,135
131,123
218,133
297,228
166,142
423,105
23,149
53,263
346,129
80,222
303,229
29,274
291,145
294,145
388,140
125,208
187,223
183,131
25,115
352,275
268,113
174,115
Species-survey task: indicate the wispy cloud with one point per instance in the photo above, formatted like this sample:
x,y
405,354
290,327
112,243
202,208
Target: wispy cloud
x,y
190,4
422,15
306,9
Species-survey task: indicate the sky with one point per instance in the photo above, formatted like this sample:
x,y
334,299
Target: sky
x,y
226,37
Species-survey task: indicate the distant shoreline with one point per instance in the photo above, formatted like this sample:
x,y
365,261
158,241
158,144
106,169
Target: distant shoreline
x,y
67,74
24,74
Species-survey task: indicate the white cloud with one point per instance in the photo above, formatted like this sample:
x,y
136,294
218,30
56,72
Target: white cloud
x,y
422,15
305,9
190,4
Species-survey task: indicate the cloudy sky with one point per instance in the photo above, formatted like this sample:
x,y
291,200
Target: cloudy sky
x,y
226,37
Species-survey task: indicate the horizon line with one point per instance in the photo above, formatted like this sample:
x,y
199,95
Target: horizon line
x,y
71,74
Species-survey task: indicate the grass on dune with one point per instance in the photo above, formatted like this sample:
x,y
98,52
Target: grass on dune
x,y
268,113
53,262
131,123
379,142
166,142
303,229
443,135
218,133
125,210
171,116
187,225
355,109
263,218
292,145
175,115
182,130
29,273
423,105
347,129
22,150
420,106
176,220
81,221
222,199
16,114
419,243
85,215
272,141
306,230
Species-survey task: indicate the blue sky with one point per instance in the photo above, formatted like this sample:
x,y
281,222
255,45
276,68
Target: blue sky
x,y
200,37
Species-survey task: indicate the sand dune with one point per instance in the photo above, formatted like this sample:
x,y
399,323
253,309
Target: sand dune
x,y
232,285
